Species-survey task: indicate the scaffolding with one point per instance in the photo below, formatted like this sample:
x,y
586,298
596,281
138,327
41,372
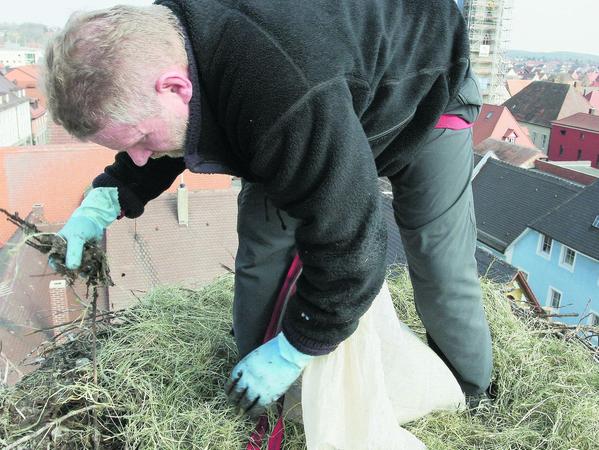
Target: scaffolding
x,y
489,29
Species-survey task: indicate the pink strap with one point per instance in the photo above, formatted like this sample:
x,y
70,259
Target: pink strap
x,y
453,122
275,439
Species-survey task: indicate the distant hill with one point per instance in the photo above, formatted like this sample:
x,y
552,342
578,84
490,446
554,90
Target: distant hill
x,y
562,56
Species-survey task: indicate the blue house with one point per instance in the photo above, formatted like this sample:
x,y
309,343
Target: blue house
x,y
548,228
564,245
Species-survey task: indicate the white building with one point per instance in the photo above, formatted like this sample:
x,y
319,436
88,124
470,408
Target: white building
x,y
15,57
15,115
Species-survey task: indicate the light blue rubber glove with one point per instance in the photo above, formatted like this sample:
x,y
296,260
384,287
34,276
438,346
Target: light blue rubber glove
x,y
265,374
97,211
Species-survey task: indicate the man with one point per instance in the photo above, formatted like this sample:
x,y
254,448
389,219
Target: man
x,y
309,102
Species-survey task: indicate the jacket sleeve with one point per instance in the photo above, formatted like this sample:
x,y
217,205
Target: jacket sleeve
x,y
317,165
138,185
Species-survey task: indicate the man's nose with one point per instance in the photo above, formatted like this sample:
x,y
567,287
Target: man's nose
x,y
139,155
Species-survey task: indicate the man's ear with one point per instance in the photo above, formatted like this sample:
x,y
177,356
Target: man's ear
x,y
175,81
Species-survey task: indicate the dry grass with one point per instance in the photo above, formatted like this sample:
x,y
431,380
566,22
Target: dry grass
x,y
162,367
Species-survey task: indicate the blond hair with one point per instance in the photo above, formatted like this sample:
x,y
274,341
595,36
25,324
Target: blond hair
x,y
104,63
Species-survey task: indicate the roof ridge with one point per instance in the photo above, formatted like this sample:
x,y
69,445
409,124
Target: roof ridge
x,y
541,175
582,191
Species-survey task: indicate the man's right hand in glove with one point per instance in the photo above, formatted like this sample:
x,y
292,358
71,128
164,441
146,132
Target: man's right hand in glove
x,y
97,211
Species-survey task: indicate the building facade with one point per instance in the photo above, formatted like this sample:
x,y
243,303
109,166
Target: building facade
x,y
15,116
498,123
546,227
15,57
540,103
28,78
489,24
564,280
575,138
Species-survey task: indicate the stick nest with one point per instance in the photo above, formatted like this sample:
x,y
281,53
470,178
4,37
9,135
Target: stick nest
x,y
94,266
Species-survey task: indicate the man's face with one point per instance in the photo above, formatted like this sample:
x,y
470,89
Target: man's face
x,y
148,138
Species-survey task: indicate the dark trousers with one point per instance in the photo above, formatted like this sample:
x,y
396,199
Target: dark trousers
x,y
432,199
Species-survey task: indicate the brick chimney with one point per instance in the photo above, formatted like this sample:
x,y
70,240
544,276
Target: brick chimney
x,y
183,205
58,303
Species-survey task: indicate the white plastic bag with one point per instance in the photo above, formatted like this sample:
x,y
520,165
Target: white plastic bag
x,y
380,377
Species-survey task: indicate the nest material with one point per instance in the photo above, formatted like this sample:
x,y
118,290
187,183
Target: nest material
x,y
94,267
162,366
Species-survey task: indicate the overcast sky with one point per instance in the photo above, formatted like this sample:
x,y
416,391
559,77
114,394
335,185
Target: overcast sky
x,y
538,25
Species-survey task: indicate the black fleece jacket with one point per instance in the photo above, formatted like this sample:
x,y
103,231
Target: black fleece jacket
x,y
314,99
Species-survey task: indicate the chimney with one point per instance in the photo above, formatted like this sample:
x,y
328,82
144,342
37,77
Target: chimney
x,y
37,213
183,205
58,303
592,111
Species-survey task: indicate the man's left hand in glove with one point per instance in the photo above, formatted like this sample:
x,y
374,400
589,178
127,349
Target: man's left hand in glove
x,y
265,374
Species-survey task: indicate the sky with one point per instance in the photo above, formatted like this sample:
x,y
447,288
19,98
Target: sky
x,y
538,25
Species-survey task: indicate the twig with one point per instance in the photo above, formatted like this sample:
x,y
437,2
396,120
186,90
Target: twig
x,y
49,425
95,364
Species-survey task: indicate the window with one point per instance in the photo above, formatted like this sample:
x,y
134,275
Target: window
x,y
593,319
546,244
555,298
511,139
567,258
562,132
489,115
544,140
596,222
534,137
579,156
582,136
561,150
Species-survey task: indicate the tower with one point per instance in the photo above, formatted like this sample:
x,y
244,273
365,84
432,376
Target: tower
x,y
489,26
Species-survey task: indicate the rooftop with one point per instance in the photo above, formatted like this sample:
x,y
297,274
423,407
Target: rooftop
x,y
571,222
581,121
56,176
488,266
516,155
542,101
507,199
578,166
593,98
515,86
154,249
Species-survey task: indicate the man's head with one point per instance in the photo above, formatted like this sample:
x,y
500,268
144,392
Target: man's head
x,y
118,77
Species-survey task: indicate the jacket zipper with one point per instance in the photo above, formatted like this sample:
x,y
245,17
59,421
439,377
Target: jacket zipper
x,y
392,129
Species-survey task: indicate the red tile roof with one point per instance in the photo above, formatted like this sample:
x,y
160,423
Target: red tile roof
x,y
56,176
515,86
580,120
494,122
154,249
593,98
513,154
57,135
25,76
28,78
25,304
53,176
